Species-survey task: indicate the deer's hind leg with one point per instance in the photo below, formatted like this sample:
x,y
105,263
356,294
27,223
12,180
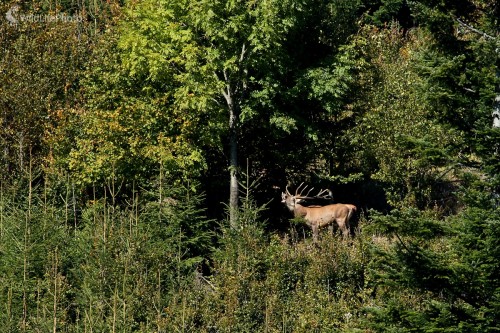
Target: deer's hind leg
x,y
331,229
344,227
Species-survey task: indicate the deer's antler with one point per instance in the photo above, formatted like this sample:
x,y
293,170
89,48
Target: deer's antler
x,y
298,188
325,194
319,195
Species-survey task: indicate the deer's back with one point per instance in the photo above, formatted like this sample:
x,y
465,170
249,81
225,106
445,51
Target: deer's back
x,y
325,215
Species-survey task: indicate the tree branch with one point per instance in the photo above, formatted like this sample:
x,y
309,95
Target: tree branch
x,y
227,93
242,68
402,243
477,31
243,51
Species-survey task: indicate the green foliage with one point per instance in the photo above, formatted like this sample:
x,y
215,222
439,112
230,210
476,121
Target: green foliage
x,y
387,11
106,268
401,143
435,281
134,259
408,222
133,268
204,48
40,66
129,128
487,145
33,242
261,284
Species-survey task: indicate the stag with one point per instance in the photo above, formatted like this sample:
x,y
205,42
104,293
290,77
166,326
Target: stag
x,y
318,217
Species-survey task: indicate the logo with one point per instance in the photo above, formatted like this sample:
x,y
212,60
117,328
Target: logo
x,y
14,17
11,14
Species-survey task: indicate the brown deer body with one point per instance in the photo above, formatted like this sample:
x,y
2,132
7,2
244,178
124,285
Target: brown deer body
x,y
319,217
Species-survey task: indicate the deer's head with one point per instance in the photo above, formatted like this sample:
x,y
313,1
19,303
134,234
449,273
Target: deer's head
x,y
288,199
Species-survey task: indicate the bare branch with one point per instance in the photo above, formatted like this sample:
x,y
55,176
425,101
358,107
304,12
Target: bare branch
x,y
477,31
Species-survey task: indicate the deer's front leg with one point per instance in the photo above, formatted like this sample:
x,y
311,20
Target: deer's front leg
x,y
315,231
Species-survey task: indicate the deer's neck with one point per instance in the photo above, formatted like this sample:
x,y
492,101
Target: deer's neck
x,y
300,211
